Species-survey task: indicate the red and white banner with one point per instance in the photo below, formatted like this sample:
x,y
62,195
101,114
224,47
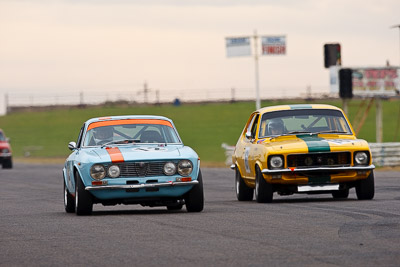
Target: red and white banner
x,y
273,45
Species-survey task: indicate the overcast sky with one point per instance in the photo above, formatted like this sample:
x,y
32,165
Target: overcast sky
x,y
89,45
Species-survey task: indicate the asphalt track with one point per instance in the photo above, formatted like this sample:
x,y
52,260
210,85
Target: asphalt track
x,y
297,230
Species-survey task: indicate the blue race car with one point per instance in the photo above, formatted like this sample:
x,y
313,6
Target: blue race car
x,y
131,160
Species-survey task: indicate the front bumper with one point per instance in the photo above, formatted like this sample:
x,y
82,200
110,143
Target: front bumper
x,y
320,169
140,186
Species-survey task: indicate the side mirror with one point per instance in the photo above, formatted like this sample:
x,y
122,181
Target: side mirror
x,y
72,146
248,135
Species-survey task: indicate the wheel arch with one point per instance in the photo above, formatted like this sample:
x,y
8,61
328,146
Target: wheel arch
x,y
238,168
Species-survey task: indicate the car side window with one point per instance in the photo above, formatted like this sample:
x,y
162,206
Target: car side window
x,y
248,129
254,127
79,141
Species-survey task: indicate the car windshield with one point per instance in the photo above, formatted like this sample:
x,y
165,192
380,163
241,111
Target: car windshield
x,y
130,131
311,121
2,138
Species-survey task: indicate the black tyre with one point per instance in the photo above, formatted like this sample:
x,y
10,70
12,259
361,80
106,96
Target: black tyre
x,y
341,193
175,207
69,201
365,189
263,191
7,164
243,192
83,199
194,199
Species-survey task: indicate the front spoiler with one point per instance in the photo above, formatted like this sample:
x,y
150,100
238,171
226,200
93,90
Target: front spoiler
x,y
139,186
321,169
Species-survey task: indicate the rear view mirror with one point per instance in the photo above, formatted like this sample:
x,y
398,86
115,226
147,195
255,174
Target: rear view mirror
x,y
248,135
304,117
72,145
129,126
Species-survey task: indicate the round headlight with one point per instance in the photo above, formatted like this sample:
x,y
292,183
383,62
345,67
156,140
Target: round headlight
x,y
113,171
97,172
361,158
5,150
185,167
169,168
276,162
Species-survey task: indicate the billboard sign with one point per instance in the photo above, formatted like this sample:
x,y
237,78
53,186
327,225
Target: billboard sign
x,y
273,45
369,81
376,81
238,46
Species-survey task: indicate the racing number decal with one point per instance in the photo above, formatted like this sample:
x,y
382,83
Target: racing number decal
x,y
246,159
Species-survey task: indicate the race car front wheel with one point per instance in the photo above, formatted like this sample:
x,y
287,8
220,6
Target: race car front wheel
x,y
194,200
264,191
7,164
83,199
365,189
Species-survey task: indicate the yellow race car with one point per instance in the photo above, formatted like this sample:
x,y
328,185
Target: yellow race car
x,y
301,149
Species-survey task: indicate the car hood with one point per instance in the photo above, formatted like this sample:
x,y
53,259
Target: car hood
x,y
314,143
137,152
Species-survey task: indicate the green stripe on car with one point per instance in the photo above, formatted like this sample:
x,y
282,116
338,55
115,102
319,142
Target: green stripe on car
x,y
300,106
321,179
314,143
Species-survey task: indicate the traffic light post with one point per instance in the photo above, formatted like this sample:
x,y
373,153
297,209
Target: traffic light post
x,y
345,87
332,58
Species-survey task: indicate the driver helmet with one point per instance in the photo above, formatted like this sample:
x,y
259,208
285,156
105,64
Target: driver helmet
x,y
103,133
275,126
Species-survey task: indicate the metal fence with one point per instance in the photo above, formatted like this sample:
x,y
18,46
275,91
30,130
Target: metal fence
x,y
383,154
34,98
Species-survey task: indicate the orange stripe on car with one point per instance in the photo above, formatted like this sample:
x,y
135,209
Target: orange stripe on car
x,y
115,154
129,121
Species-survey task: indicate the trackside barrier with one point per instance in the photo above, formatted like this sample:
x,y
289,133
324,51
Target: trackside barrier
x,y
383,154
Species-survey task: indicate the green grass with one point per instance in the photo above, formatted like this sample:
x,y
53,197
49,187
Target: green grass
x,y
204,127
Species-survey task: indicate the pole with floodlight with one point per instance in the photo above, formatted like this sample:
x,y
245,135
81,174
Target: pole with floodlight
x,y
397,26
258,100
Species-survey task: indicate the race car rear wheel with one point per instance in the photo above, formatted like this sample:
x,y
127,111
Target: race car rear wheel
x,y
263,191
69,202
243,192
194,199
83,199
365,189
341,193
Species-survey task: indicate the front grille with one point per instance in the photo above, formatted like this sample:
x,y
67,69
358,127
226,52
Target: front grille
x,y
142,169
331,159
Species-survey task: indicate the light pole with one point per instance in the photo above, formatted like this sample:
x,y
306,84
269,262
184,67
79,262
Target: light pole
x,y
258,101
397,26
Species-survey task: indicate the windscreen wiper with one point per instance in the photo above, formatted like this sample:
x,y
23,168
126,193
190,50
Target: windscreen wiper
x,y
123,142
331,131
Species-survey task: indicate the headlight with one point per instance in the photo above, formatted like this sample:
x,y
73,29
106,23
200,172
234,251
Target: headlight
x,y
276,162
113,171
5,150
169,168
361,158
185,167
97,172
